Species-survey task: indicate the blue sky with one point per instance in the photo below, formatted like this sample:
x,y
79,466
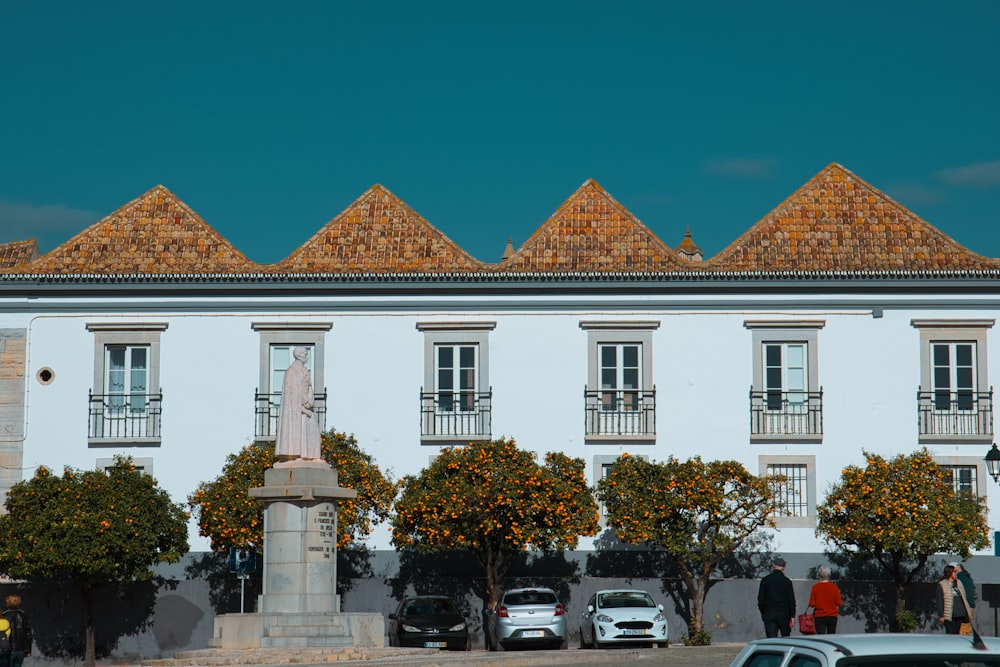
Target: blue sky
x,y
269,119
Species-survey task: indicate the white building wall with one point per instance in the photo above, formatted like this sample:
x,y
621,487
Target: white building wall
x,y
869,369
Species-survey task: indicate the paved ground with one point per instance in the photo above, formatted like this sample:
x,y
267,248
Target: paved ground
x,y
719,655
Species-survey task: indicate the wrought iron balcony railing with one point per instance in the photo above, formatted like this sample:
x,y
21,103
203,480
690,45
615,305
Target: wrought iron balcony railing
x,y
620,412
786,413
266,411
461,414
132,416
955,413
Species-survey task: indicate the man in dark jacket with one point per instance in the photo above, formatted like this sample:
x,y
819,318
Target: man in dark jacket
x,y
20,631
776,601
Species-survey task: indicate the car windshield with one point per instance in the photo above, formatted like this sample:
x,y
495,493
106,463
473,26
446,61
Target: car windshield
x,y
529,597
624,599
427,606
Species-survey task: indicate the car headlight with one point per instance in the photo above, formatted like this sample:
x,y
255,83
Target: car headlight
x,y
603,618
457,628
658,618
410,628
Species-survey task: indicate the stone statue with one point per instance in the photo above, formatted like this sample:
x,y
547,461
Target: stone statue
x,y
298,430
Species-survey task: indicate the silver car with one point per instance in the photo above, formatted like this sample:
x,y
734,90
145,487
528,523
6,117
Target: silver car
x,y
871,650
529,617
622,616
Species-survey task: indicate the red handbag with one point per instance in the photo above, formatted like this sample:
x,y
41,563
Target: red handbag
x,y
807,624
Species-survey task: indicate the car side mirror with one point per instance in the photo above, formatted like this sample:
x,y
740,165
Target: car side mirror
x,y
660,607
392,616
590,609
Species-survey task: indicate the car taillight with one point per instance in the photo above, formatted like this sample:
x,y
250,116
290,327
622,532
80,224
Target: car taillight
x,y
560,610
502,612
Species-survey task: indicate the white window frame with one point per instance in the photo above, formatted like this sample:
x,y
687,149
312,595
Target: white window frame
x,y
975,462
620,427
128,334
458,425
786,333
310,335
140,463
951,332
767,462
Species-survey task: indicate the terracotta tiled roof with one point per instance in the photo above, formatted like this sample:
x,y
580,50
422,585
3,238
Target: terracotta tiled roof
x,y
18,252
593,232
155,233
381,234
838,222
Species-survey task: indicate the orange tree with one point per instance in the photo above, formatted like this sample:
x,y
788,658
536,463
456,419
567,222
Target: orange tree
x,y
90,528
897,513
228,515
698,513
494,500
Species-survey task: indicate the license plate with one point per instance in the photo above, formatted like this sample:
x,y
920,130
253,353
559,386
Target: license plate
x,y
435,644
533,633
635,632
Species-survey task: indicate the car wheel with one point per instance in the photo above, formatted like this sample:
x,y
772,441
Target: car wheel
x,y
583,644
662,644
468,644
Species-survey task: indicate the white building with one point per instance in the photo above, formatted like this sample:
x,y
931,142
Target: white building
x,y
838,323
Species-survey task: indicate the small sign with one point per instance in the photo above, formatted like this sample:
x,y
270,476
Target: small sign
x,y
242,560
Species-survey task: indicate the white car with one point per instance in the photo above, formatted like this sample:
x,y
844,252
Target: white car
x,y
623,617
871,650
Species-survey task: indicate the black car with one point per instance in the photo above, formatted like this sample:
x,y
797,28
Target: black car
x,y
429,621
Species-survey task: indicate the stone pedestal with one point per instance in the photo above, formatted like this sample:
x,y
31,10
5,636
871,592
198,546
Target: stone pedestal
x,y
299,605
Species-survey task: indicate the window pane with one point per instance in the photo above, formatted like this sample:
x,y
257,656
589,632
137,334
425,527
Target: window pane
x,y
941,354
445,379
609,356
942,378
630,379
772,355
609,379
772,378
630,356
446,356
467,357
963,355
796,356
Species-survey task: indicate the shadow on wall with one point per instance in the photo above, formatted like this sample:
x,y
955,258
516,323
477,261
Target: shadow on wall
x,y
56,613
226,591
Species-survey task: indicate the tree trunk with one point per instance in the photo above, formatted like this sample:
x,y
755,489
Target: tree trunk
x,y
493,563
89,653
900,606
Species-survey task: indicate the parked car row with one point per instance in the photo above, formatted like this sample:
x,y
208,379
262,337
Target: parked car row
x,y
532,618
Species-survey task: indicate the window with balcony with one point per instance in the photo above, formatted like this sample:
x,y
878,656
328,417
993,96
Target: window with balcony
x,y
794,483
456,402
277,340
954,400
786,401
125,402
620,397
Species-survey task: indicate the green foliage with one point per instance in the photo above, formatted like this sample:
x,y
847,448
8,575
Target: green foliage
x,y
904,507
496,501
229,517
698,513
90,527
696,636
906,621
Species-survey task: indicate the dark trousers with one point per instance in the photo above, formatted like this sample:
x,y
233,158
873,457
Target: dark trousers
x,y
953,626
826,625
775,625
16,659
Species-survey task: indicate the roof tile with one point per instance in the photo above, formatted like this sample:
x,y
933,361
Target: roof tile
x,y
18,252
155,233
378,233
838,222
593,232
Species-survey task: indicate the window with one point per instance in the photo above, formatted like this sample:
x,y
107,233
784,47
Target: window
x,y
794,478
967,474
620,398
786,401
455,399
276,344
125,401
954,400
142,464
